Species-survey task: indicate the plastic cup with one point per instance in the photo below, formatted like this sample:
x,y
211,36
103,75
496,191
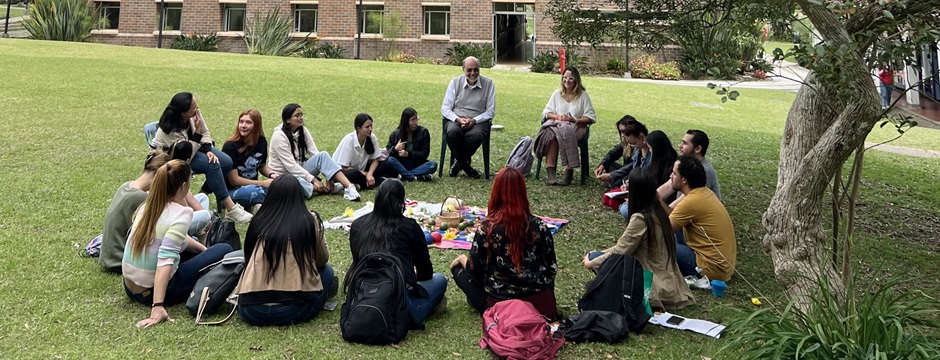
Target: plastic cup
x,y
718,288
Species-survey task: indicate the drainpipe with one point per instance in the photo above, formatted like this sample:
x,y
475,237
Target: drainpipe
x,y
160,25
359,23
6,22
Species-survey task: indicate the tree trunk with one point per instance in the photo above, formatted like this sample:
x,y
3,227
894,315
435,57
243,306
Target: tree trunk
x,y
821,132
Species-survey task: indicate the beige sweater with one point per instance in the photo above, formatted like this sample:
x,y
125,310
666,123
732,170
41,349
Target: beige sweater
x,y
164,140
282,160
287,278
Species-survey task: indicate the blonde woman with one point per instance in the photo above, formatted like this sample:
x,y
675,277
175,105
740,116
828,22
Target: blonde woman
x,y
564,122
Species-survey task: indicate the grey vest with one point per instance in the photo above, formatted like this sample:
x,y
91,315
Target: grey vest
x,y
471,101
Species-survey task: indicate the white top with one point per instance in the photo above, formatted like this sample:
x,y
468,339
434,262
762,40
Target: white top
x,y
352,154
282,160
580,106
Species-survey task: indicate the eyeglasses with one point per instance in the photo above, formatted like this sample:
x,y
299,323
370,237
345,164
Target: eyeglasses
x,y
298,116
568,78
472,70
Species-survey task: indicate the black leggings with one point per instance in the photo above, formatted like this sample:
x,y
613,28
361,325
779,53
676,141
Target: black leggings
x,y
357,177
476,294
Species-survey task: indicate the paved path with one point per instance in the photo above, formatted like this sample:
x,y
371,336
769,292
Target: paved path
x,y
905,150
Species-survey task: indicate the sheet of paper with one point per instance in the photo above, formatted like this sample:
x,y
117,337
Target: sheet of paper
x,y
616,194
703,327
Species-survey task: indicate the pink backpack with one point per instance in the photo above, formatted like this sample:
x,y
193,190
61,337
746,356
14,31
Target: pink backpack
x,y
513,329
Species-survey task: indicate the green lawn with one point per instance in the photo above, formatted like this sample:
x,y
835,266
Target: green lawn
x,y
14,11
71,134
769,47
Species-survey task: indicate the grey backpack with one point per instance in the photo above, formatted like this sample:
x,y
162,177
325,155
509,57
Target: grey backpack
x,y
521,157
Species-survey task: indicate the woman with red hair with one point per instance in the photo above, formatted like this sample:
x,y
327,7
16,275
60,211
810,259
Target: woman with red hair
x,y
513,252
248,149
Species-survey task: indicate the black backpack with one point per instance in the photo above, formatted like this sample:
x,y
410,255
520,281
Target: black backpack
x,y
375,311
222,231
618,287
595,326
213,288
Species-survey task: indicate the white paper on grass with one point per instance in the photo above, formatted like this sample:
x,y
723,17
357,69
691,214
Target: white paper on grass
x,y
703,327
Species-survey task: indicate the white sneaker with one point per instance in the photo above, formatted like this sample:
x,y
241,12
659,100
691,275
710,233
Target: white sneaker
x,y
337,188
238,215
351,194
254,209
701,283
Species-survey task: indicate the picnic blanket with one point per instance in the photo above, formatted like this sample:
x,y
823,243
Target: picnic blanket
x,y
426,214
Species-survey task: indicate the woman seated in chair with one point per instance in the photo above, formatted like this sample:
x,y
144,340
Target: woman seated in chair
x,y
291,144
287,276
181,120
513,252
358,154
248,149
386,230
632,149
408,149
564,121
648,238
153,273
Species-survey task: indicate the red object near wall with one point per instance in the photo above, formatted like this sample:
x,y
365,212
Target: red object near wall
x,y
561,59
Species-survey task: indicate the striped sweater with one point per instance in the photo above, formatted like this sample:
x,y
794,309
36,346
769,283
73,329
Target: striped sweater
x,y
164,250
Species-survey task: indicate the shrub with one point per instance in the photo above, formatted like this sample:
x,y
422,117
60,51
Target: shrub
x,y
574,59
409,57
315,49
195,42
884,322
714,45
271,35
60,20
617,65
459,51
759,74
544,62
646,67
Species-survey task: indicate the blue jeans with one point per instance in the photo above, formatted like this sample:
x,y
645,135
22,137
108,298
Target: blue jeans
x,y
420,305
405,168
184,280
885,95
685,257
321,163
215,173
200,218
276,314
625,211
249,195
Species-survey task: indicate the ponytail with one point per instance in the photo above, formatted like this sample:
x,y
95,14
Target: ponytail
x,y
167,181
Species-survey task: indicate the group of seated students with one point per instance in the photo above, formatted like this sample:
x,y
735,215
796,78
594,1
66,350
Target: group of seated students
x,y
677,226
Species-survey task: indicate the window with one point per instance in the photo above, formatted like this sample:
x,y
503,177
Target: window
x,y
233,17
437,20
372,18
109,13
172,16
514,7
305,18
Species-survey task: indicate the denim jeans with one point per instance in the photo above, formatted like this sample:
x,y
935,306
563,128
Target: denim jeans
x,y
885,95
200,218
419,304
215,173
625,211
276,314
321,163
685,257
405,168
249,195
184,280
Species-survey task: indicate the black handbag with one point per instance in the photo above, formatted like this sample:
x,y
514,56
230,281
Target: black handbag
x,y
596,326
215,287
222,231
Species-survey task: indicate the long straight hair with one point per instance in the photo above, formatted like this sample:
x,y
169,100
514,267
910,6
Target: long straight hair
x,y
283,223
404,126
509,209
644,199
172,118
286,114
257,131
359,122
625,121
373,230
166,183
664,156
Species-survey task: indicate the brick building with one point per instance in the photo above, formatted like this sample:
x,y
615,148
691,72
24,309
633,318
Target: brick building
x,y
516,28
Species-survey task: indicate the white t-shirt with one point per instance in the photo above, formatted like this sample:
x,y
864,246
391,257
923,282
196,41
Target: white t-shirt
x,y
352,154
578,107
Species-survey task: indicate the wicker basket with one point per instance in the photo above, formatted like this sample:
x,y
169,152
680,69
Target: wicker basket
x,y
451,218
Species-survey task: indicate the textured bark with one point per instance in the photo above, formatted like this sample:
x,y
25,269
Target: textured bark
x,y
820,134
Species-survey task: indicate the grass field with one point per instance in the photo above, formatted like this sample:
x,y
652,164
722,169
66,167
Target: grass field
x,y
71,134
14,11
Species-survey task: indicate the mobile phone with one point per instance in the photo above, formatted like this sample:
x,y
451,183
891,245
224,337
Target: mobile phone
x,y
674,320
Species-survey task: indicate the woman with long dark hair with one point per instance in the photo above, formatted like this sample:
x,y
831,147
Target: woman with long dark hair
x,y
287,276
294,152
358,153
386,230
182,121
153,272
408,149
632,149
660,166
248,148
648,238
513,252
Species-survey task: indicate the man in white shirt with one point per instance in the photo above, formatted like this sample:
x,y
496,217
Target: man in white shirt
x,y
469,106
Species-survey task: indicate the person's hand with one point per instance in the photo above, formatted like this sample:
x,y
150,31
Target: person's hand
x,y
401,145
625,186
403,153
157,315
320,187
587,262
604,177
197,120
266,183
370,180
599,170
272,175
460,260
212,158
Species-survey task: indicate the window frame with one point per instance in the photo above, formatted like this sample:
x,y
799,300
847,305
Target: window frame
x,y
166,16
428,13
227,9
299,9
380,9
